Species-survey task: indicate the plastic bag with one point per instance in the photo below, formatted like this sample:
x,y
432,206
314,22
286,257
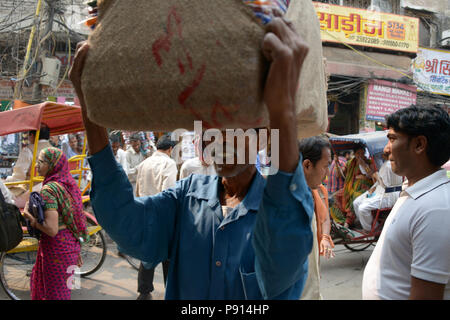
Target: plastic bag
x,y
263,9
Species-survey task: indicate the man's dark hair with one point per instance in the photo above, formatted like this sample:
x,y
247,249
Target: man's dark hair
x,y
359,147
44,132
429,121
114,137
165,142
312,148
135,137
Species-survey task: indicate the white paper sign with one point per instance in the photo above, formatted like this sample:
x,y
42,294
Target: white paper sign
x,y
431,70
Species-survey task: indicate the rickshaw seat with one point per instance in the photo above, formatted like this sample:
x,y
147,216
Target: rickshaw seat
x,y
381,214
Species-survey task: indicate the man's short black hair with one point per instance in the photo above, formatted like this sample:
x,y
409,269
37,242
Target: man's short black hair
x,y
429,121
44,132
165,142
135,137
359,147
312,148
114,137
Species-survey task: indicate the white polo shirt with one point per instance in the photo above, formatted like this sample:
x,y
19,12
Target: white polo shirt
x,y
415,241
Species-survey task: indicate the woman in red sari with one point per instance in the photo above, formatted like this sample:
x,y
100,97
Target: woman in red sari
x,y
62,232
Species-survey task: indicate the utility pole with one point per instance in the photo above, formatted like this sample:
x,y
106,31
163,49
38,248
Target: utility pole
x,y
26,68
45,49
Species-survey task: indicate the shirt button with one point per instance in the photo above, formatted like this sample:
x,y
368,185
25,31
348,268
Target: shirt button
x,y
222,228
293,187
218,263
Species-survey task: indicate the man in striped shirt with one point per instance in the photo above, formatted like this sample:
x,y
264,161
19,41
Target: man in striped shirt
x,y
337,175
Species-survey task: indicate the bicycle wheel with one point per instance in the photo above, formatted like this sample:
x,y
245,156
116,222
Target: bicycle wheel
x,y
93,252
357,246
15,273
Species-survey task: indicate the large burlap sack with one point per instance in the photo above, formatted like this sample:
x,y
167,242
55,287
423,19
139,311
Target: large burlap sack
x,y
312,109
160,65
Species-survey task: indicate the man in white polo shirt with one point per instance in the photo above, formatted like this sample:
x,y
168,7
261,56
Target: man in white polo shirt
x,y
412,257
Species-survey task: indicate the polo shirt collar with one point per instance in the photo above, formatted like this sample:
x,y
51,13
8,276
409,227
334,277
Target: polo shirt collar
x,y
427,184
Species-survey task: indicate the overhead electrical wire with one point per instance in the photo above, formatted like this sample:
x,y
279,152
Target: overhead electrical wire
x,y
23,73
423,93
68,59
14,51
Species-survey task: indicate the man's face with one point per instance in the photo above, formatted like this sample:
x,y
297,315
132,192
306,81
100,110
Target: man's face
x,y
136,145
73,143
31,138
235,155
54,140
115,146
399,151
315,174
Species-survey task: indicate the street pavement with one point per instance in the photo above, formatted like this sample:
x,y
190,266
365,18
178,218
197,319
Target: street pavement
x,y
117,279
342,275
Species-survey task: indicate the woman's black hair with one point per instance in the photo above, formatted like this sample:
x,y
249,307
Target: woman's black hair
x,y
433,122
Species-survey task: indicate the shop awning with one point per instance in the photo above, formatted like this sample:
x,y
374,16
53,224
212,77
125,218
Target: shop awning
x,y
60,118
373,141
347,62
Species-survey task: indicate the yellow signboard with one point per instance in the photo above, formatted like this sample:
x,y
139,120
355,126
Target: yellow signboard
x,y
367,28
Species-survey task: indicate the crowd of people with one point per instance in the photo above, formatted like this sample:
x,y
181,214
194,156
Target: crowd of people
x,y
230,232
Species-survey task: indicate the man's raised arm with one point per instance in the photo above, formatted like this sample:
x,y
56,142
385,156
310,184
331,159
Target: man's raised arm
x,y
282,235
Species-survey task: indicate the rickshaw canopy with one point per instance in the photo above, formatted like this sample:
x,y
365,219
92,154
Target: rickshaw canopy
x,y
60,118
373,141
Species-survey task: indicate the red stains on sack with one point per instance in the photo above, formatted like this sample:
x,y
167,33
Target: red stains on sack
x,y
191,88
181,66
164,43
220,108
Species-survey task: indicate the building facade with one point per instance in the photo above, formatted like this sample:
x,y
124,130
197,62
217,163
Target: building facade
x,y
57,29
370,47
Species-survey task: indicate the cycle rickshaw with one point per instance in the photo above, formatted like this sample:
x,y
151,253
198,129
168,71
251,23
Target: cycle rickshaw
x,y
16,264
356,239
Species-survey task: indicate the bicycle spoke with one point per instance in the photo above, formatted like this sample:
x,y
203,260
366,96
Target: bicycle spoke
x,y
15,273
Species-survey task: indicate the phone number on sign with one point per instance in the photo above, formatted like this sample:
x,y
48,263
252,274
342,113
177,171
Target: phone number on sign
x,y
385,42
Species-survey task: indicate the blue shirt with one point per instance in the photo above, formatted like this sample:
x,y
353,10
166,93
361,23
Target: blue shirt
x,y
259,250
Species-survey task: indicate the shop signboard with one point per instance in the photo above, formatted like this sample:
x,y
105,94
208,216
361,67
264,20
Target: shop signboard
x,y
64,90
385,97
367,28
431,70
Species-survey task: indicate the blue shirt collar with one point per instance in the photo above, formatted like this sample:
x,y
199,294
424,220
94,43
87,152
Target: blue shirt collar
x,y
210,192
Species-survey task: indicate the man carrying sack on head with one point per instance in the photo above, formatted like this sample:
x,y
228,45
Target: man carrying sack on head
x,y
231,236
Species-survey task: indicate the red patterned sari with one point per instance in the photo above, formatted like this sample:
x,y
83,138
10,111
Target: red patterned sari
x,y
58,256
